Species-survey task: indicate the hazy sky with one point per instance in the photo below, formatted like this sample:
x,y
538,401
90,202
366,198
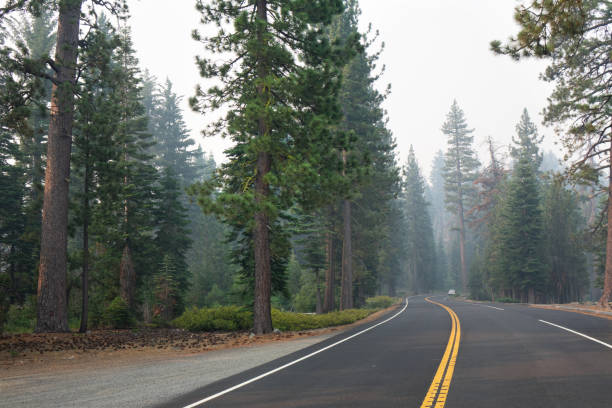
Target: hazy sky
x,y
435,51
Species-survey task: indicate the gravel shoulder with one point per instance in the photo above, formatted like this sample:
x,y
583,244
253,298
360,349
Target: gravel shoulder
x,y
141,382
587,309
141,376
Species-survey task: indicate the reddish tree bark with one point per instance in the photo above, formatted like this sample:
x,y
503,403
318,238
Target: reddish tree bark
x,y
127,276
52,314
85,274
346,290
330,279
607,291
262,317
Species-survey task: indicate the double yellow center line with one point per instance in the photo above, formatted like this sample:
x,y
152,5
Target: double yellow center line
x,y
438,390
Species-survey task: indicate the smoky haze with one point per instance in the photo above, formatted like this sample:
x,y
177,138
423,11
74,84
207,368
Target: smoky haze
x,y
435,51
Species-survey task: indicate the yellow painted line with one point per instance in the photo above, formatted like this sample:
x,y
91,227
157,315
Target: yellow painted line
x,y
438,390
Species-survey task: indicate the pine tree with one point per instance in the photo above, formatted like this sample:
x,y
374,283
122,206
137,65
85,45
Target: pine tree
x,y
36,38
11,220
490,183
311,232
520,234
166,290
419,232
172,140
172,236
369,167
137,174
52,304
93,125
460,171
527,140
283,72
574,36
563,229
438,209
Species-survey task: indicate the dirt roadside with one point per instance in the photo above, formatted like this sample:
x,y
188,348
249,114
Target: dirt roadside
x,y
42,353
586,309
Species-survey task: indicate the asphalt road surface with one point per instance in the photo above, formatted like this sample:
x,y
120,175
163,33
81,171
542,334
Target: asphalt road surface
x,y
438,353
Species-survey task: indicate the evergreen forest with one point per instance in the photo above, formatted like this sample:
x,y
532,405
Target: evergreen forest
x,y
114,213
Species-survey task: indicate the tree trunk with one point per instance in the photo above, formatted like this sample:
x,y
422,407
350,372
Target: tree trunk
x,y
319,304
330,279
13,291
85,274
52,312
127,276
607,291
262,317
462,253
531,295
346,292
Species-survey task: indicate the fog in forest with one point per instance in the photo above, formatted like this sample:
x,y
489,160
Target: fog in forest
x,y
212,165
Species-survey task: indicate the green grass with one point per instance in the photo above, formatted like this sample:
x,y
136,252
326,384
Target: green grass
x,y
288,321
20,318
231,318
223,318
507,300
381,302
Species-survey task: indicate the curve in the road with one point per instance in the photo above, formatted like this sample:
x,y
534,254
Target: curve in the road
x,y
259,377
438,390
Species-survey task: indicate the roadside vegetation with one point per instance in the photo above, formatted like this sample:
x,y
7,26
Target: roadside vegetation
x,y
313,211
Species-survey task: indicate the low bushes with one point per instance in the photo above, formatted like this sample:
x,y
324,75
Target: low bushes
x,y
225,318
117,315
287,321
507,300
380,302
21,318
229,318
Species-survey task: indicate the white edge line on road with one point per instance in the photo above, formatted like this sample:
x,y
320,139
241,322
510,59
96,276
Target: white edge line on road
x,y
493,307
578,333
259,377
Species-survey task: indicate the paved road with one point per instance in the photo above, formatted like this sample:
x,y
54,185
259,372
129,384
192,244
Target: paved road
x,y
490,355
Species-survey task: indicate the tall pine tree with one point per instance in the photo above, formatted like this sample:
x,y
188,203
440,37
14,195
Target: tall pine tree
x,y
419,237
460,171
280,86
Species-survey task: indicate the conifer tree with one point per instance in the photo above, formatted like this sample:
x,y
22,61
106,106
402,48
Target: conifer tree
x,y
11,219
52,304
136,173
563,230
369,167
172,236
419,238
94,124
173,144
35,36
574,36
527,140
520,234
438,209
460,171
280,88
490,183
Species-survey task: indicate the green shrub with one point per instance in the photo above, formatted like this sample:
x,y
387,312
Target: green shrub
x,y
506,300
380,302
288,321
225,318
117,315
21,318
230,318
